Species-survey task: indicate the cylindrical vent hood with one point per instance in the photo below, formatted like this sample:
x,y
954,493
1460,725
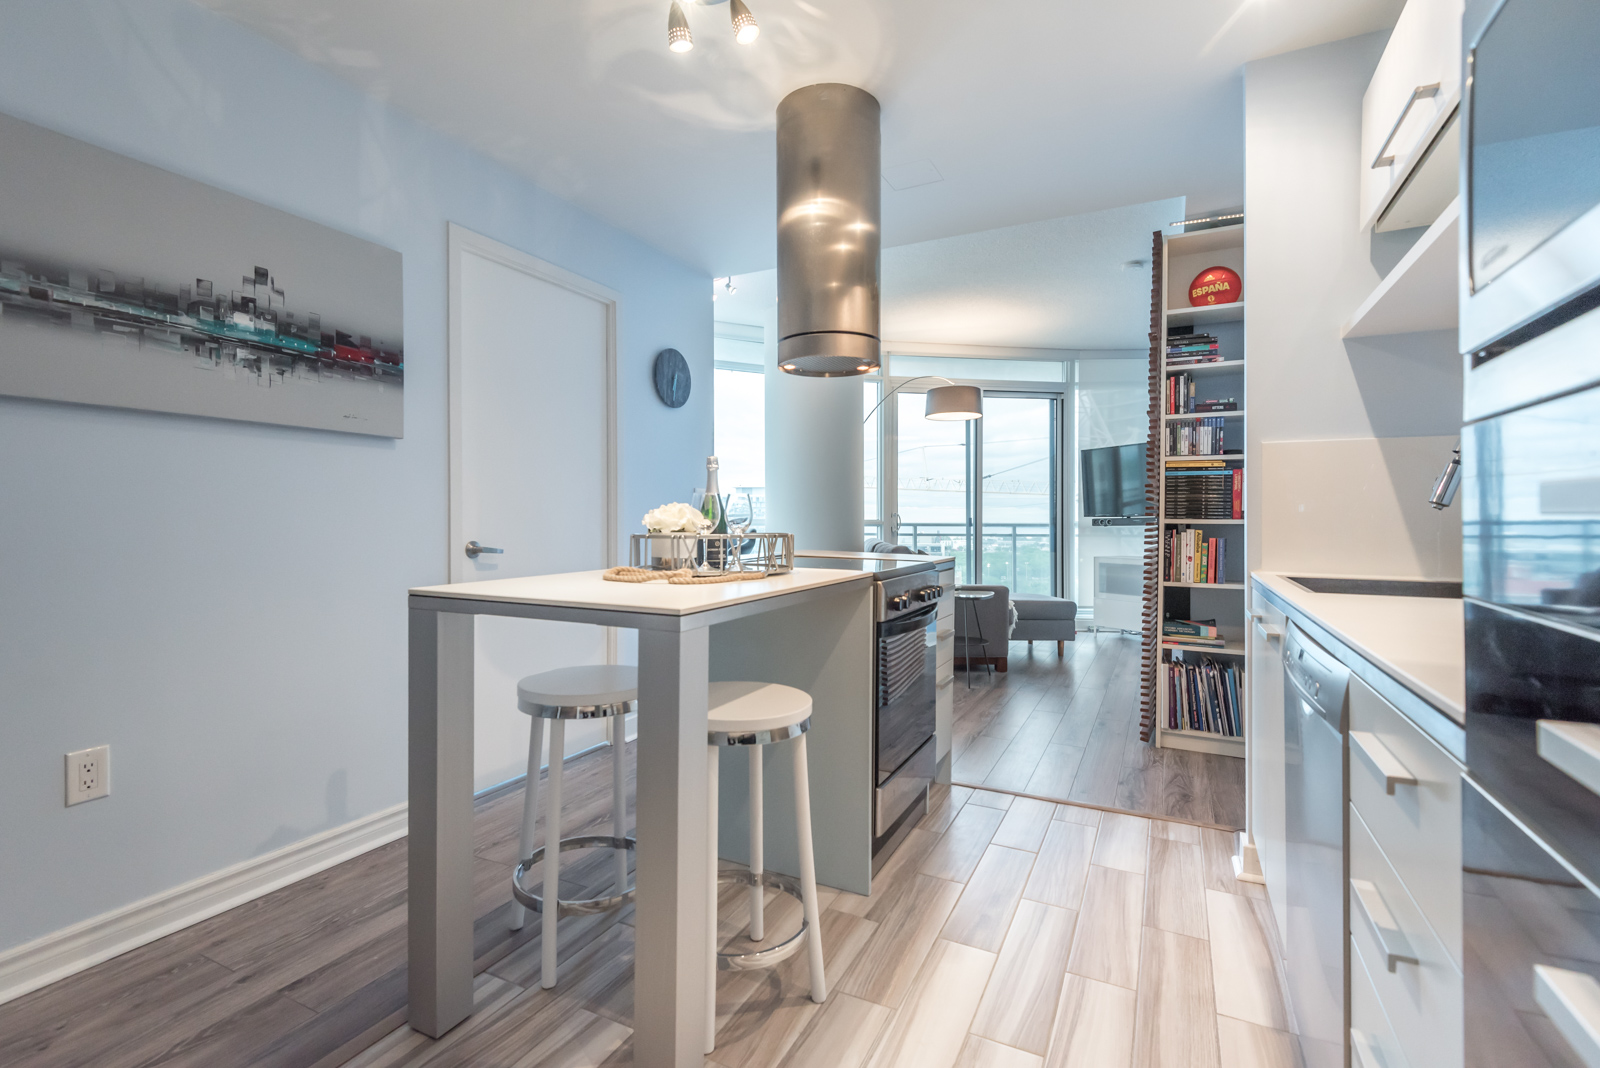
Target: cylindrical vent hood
x,y
828,221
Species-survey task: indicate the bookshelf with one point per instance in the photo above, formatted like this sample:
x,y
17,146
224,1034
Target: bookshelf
x,y
1184,256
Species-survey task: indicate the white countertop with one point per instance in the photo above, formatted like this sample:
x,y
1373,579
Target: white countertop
x,y
1418,641
586,589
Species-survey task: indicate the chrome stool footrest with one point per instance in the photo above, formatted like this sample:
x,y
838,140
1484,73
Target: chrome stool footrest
x,y
764,958
586,907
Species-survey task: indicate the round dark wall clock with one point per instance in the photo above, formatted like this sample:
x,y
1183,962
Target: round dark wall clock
x,y
672,378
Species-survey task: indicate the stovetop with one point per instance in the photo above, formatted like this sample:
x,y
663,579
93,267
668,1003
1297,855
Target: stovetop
x,y
880,565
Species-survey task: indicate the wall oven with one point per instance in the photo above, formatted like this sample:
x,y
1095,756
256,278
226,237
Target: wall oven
x,y
1531,179
1532,939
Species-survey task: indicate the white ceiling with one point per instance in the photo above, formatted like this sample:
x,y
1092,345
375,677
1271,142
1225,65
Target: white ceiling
x,y
1055,284
1028,109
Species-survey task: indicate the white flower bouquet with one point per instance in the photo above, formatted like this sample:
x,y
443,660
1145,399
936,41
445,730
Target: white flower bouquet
x,y
674,535
676,518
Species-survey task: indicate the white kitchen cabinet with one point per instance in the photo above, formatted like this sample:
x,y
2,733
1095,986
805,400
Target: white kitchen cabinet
x,y
1415,88
1265,766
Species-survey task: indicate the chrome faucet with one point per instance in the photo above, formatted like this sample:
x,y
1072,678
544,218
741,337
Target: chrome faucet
x,y
1444,488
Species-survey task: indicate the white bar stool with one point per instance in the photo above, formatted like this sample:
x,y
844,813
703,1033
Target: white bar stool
x,y
594,691
757,714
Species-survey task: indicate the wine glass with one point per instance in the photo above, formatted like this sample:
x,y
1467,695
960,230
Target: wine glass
x,y
741,513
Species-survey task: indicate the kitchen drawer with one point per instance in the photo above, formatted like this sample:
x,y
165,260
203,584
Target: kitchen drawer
x,y
1421,997
1372,1040
1418,826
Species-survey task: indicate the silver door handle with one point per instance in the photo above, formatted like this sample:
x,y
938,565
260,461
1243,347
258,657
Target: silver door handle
x,y
1572,1002
1421,92
1572,747
473,549
1382,761
1391,940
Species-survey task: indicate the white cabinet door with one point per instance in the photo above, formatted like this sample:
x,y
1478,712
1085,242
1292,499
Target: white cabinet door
x,y
1265,723
1416,84
531,468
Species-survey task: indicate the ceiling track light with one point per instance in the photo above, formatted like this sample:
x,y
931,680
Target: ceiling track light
x,y
745,30
679,39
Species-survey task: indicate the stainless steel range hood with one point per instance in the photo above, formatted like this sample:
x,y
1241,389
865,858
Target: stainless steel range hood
x,y
828,231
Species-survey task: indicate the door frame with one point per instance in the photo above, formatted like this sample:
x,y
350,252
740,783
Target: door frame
x,y
460,242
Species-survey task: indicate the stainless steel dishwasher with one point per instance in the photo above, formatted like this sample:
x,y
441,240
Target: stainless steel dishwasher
x,y
1315,686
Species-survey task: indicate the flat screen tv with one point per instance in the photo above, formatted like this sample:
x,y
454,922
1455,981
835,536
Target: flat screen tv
x,y
1113,481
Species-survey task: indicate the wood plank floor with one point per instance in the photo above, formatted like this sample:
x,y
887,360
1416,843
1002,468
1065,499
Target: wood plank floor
x,y
1004,931
1067,728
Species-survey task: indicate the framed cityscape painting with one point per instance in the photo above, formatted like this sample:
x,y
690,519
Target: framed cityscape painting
x,y
128,286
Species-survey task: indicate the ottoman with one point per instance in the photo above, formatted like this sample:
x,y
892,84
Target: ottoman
x,y
1046,619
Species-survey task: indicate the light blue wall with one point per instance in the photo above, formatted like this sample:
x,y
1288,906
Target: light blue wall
x,y
224,603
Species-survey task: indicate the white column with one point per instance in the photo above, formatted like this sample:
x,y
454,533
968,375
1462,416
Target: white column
x,y
814,457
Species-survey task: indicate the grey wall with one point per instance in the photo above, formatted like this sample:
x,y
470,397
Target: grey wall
x,y
223,603
1307,268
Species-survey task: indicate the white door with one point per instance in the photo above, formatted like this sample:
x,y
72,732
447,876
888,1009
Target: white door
x,y
532,467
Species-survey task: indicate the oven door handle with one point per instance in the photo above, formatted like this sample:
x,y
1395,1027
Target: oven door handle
x,y
1572,1002
905,624
1572,747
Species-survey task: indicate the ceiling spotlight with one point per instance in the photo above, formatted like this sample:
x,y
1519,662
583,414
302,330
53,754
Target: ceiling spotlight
x,y
745,29
679,39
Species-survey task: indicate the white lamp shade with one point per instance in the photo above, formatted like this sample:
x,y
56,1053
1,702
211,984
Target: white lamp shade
x,y
953,403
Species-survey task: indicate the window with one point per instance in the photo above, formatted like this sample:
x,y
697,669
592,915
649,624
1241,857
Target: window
x,y
739,417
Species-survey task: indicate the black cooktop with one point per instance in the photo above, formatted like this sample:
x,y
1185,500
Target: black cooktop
x,y
881,565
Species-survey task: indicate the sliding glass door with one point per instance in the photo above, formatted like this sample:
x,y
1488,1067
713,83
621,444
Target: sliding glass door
x,y
1017,508
994,483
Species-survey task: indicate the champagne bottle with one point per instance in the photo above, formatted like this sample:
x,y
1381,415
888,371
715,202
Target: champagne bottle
x,y
713,510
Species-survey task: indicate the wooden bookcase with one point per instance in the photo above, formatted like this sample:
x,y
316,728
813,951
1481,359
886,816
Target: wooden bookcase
x,y
1184,256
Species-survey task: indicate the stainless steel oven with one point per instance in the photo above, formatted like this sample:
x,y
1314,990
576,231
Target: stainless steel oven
x,y
1531,931
1531,173
904,747
906,597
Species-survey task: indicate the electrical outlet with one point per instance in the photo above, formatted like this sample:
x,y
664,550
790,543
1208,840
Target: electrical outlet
x,y
88,774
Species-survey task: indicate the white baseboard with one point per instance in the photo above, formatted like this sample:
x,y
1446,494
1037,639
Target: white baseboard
x,y
61,953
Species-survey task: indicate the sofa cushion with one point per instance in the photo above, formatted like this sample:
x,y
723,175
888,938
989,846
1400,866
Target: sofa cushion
x,y
1045,608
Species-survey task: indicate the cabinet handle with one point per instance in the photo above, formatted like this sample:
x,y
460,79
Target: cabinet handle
x,y
1365,1055
1572,747
1268,631
1421,92
1391,940
1382,761
1572,1002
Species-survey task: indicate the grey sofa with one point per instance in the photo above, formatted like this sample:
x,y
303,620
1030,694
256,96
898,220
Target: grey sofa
x,y
993,619
1048,619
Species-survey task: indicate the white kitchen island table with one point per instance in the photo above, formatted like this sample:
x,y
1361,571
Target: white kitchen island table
x,y
811,628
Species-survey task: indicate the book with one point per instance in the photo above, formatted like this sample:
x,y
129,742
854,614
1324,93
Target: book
x,y
1197,628
1216,406
1203,697
1203,436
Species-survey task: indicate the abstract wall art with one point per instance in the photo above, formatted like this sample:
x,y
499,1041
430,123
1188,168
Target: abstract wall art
x,y
127,286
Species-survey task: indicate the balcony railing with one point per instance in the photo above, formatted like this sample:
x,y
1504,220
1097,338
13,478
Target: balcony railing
x,y
1020,556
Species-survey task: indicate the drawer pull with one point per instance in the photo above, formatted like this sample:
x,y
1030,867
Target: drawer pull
x,y
1268,631
1422,92
1382,761
1364,1054
943,634
1396,947
1572,747
946,682
1572,1002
